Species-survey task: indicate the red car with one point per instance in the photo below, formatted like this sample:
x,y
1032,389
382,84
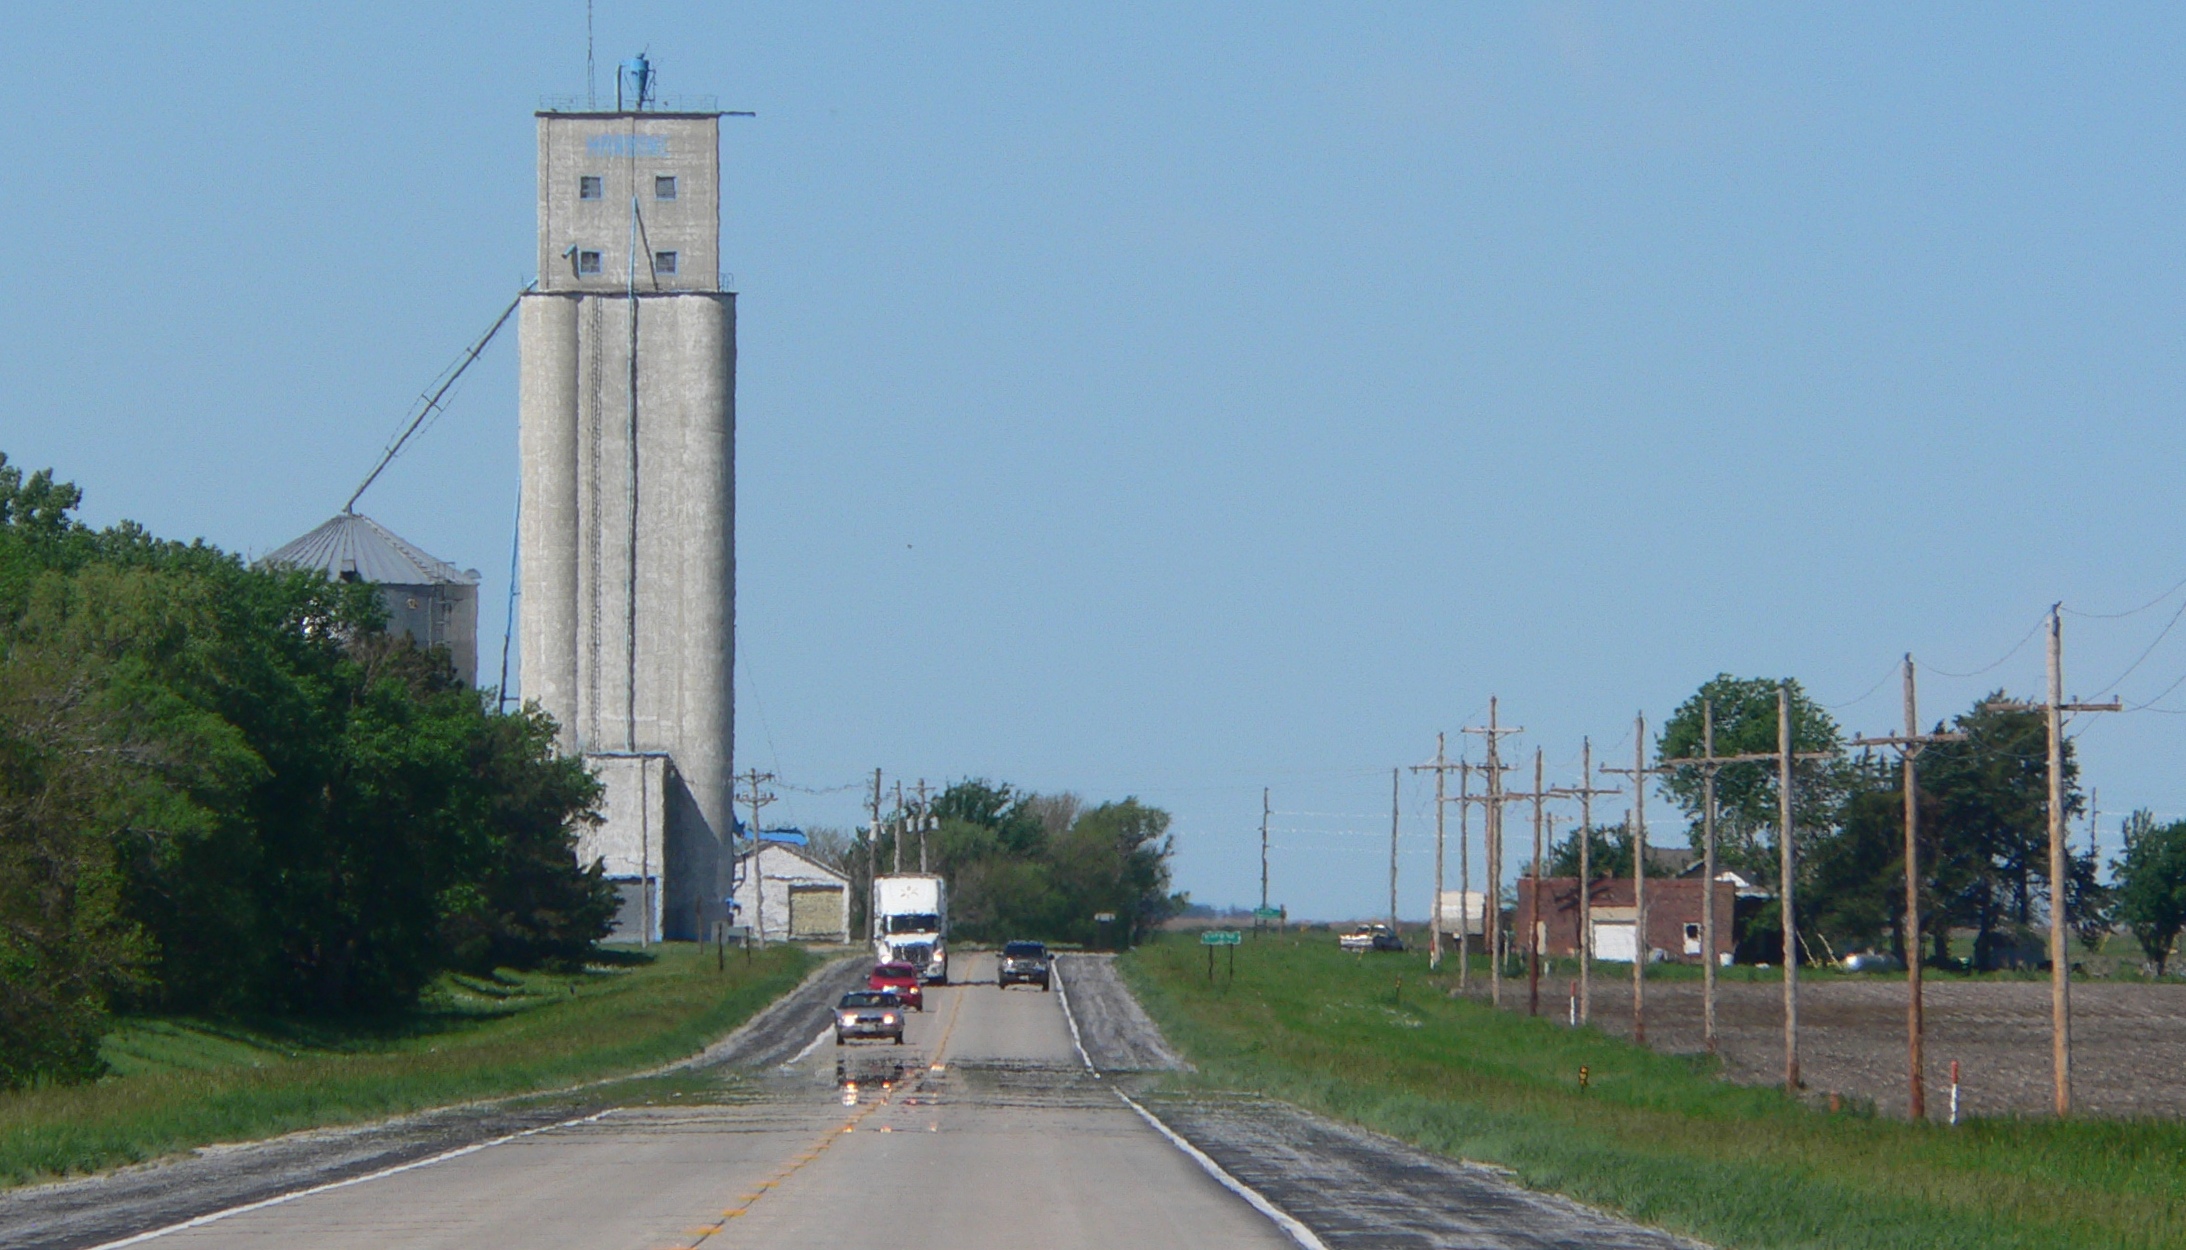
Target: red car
x,y
902,978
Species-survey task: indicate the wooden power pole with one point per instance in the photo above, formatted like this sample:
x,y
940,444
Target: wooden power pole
x,y
921,819
1492,904
758,797
1585,792
1263,848
1909,745
1636,821
872,859
1464,876
1395,775
1540,795
1708,762
1441,769
2060,859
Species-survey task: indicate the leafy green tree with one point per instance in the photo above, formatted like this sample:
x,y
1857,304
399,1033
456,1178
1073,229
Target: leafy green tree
x,y
1021,864
2151,885
1992,824
1852,876
65,944
233,790
1746,802
1610,855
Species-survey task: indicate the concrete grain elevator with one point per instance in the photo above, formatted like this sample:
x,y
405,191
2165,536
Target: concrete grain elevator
x,y
626,531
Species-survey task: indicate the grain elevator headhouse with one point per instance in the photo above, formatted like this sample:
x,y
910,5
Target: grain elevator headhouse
x,y
628,408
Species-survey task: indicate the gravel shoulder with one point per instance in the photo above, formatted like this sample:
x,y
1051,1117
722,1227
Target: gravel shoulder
x,y
1351,1187
1116,1032
91,1210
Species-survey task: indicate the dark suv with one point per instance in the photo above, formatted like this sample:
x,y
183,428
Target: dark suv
x,y
1023,963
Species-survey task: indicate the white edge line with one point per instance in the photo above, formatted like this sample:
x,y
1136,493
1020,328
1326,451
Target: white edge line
x,y
810,1046
1062,995
1282,1219
278,1199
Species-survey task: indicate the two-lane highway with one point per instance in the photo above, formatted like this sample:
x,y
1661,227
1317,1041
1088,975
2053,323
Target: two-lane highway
x,y
983,1130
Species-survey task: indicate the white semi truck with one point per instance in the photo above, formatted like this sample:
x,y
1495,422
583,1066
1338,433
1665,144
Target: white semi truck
x,y
911,922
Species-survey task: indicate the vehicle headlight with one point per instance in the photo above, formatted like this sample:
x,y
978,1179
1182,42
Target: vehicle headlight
x,y
887,1019
849,1019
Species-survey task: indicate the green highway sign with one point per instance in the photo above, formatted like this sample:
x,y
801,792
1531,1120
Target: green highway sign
x,y
1267,913
1221,937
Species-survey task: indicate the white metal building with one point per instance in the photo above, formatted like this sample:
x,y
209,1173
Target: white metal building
x,y
787,895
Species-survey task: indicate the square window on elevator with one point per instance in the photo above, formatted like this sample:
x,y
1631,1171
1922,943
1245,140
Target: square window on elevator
x,y
664,186
589,187
664,262
588,262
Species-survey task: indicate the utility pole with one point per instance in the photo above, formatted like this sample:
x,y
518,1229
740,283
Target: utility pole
x,y
1263,848
1440,768
1636,831
1394,775
901,829
2060,858
1492,904
872,860
1585,792
1540,795
922,824
1909,745
1784,884
1464,876
1708,762
756,794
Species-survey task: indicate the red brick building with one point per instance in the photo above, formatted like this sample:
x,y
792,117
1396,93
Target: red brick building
x,y
1673,917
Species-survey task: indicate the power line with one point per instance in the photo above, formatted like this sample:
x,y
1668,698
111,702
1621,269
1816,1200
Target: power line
x,y
1887,674
1999,661
2112,616
2148,651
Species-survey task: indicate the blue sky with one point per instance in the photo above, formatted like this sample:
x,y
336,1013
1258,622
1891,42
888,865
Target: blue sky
x,y
1179,400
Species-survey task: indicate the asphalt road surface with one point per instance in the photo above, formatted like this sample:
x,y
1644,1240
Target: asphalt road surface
x,y
1006,1119
984,1130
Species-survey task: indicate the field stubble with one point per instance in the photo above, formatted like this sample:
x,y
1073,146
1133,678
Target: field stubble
x,y
2128,1039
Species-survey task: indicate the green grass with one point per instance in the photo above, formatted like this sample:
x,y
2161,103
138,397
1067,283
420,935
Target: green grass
x,y
176,1084
1656,1137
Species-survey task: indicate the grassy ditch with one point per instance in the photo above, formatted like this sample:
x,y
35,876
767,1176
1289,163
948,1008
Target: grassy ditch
x,y
176,1084
1654,1136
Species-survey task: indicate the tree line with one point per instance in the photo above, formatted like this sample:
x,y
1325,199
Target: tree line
x,y
1983,833
228,789
1021,864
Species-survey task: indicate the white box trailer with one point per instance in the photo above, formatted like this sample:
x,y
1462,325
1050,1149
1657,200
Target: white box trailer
x,y
911,922
1464,912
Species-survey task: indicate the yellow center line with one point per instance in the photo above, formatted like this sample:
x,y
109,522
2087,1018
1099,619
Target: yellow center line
x,y
704,1232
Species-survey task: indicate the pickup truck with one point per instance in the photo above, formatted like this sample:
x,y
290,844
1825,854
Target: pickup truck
x,y
1026,963
1371,937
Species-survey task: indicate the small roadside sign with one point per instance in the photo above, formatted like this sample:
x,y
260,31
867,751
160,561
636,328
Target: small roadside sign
x,y
1109,917
1221,937
1274,913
